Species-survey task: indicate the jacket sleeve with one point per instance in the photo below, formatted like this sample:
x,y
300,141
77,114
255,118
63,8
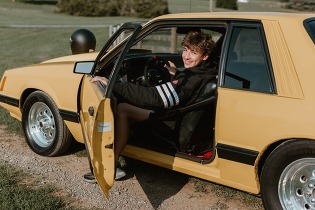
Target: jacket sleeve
x,y
177,92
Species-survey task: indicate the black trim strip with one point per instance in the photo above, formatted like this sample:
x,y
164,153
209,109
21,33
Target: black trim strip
x,y
237,154
9,100
69,115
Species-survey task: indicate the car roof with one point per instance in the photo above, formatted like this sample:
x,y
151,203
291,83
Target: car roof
x,y
279,16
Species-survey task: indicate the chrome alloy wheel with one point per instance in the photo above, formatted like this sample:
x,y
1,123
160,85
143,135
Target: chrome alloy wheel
x,y
41,124
296,188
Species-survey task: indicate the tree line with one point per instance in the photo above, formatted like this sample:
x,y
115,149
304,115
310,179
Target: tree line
x,y
134,8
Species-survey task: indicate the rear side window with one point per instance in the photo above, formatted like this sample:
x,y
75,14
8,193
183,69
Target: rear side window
x,y
309,25
246,66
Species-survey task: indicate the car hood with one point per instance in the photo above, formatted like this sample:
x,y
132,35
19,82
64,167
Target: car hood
x,y
74,58
62,64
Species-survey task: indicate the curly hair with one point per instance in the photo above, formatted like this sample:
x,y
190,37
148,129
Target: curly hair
x,y
200,41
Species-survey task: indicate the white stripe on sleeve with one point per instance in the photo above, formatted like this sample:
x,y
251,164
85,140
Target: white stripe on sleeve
x,y
162,96
168,95
170,86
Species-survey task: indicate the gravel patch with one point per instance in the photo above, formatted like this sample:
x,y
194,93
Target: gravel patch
x,y
146,187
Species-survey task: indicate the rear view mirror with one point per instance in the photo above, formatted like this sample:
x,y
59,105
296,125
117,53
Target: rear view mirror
x,y
84,67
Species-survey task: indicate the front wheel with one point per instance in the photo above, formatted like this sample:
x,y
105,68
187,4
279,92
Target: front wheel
x,y
45,132
288,176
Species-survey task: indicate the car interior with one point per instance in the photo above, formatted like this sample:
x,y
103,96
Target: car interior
x,y
183,131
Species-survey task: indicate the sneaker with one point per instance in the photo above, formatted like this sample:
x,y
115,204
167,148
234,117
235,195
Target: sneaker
x,y
119,174
89,177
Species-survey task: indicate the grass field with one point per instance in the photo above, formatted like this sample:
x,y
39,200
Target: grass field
x,y
17,195
37,33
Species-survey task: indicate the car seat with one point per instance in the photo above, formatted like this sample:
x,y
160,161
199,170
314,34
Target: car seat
x,y
196,127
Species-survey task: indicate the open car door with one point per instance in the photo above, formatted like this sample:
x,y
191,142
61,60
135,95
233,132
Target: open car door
x,y
97,117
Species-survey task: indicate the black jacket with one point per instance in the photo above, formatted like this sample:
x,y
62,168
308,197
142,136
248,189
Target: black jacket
x,y
183,89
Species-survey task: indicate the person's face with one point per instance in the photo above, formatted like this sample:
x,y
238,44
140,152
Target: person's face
x,y
192,57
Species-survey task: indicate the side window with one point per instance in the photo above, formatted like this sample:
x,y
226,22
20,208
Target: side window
x,y
167,41
246,64
163,40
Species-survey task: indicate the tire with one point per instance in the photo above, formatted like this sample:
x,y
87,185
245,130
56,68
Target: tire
x,y
288,176
45,132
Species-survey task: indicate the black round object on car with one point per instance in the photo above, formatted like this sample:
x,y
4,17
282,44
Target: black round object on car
x,y
82,41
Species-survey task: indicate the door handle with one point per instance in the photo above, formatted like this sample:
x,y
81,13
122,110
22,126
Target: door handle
x,y
109,146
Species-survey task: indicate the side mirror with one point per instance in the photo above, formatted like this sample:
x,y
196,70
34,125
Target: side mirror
x,y
84,67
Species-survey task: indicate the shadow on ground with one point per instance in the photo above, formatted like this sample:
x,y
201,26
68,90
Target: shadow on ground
x,y
158,183
77,149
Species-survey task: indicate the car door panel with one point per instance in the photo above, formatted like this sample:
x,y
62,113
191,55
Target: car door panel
x,y
246,89
103,158
97,117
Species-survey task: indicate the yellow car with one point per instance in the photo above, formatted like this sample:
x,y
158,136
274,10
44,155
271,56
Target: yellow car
x,y
252,130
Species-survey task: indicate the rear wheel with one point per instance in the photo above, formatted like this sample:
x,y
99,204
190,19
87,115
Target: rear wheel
x,y
45,132
288,176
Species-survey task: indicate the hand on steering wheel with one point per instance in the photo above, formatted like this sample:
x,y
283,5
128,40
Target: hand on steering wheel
x,y
171,68
155,71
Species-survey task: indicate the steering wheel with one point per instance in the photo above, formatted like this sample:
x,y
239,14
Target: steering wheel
x,y
155,73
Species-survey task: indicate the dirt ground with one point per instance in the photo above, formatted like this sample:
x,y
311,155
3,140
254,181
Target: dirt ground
x,y
146,186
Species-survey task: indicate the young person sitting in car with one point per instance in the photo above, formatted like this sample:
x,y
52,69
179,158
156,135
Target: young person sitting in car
x,y
139,101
